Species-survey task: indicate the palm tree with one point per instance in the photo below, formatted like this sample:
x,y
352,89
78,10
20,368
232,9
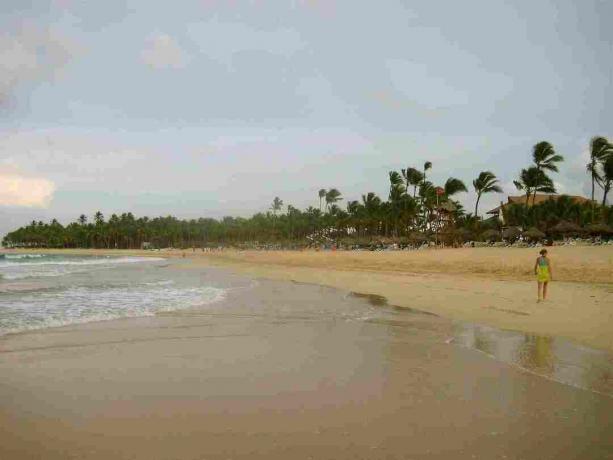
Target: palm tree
x,y
427,165
277,204
395,180
607,177
412,177
427,197
372,210
545,158
453,186
485,183
599,148
532,180
99,218
322,195
332,196
82,219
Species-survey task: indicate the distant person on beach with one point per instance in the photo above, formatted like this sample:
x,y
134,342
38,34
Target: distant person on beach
x,y
543,272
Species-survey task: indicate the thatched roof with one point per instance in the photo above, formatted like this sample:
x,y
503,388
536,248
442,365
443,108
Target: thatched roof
x,y
491,235
416,237
511,233
599,229
567,228
466,234
534,234
539,198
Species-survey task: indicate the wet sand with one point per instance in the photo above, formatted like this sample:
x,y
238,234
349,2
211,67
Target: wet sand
x,y
493,286
284,370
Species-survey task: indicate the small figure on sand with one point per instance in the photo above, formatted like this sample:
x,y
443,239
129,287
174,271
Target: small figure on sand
x,y
543,272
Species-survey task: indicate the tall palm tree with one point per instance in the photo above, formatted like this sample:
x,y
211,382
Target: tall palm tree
x,y
607,177
485,183
427,165
332,196
599,149
544,158
277,204
322,195
372,210
396,181
533,180
412,177
82,219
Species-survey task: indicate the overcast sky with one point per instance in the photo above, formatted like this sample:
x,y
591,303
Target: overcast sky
x,y
214,107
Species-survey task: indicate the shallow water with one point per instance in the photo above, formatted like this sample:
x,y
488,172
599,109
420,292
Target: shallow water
x,y
549,357
39,291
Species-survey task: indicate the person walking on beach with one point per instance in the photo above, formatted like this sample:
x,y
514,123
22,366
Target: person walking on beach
x,y
543,272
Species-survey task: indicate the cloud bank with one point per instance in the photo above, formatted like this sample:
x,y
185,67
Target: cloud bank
x,y
23,191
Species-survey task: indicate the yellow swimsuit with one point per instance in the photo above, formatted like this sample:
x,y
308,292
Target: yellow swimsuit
x,y
542,271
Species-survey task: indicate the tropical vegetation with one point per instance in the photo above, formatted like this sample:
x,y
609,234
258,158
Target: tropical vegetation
x,y
415,210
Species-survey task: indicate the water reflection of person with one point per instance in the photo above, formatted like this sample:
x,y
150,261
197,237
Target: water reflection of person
x,y
536,353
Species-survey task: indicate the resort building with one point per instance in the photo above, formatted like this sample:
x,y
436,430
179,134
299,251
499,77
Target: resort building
x,y
539,198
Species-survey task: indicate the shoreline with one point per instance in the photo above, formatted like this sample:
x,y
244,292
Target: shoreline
x,y
487,286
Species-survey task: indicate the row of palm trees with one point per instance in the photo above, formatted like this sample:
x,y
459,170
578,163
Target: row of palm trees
x,y
414,205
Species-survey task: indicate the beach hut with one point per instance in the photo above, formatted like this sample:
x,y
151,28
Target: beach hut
x,y
490,235
539,198
565,228
511,234
599,230
534,234
417,238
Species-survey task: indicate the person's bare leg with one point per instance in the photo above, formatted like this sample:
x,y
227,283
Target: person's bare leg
x,y
545,284
539,289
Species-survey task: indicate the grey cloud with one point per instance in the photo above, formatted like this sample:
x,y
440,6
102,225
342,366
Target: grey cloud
x,y
29,54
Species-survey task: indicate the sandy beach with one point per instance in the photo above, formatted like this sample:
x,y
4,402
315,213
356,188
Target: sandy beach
x,y
493,286
328,356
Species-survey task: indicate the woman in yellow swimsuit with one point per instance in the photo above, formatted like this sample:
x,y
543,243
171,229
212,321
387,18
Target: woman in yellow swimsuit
x,y
543,272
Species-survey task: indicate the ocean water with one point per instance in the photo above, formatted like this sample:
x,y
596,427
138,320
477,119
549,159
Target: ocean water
x,y
39,291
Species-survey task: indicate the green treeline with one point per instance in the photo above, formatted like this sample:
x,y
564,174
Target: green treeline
x,y
414,210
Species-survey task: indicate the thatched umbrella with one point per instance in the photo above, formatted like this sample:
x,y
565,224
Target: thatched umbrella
x,y
466,235
511,233
599,229
534,234
449,235
566,228
417,238
491,235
